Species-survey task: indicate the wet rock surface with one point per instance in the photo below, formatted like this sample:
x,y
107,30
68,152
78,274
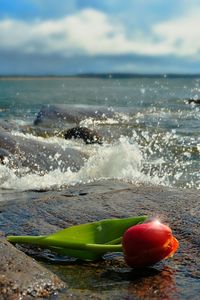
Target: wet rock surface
x,y
87,135
76,113
21,276
44,213
38,156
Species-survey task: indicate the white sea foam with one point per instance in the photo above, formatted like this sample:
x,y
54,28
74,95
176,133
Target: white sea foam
x,y
122,160
145,157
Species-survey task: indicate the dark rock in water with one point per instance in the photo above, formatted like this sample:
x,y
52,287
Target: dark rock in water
x,y
22,277
87,135
3,155
175,278
195,101
39,156
75,114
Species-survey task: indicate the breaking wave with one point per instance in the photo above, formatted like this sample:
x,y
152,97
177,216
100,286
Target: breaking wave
x,y
121,160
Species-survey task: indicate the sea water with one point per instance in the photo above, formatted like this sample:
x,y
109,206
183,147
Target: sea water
x,y
159,144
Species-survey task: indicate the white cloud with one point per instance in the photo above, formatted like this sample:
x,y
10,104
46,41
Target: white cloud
x,y
180,36
92,32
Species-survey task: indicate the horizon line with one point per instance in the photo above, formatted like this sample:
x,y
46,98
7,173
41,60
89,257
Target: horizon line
x,y
108,75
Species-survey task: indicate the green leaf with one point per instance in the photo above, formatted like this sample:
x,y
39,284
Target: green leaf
x,y
100,232
86,241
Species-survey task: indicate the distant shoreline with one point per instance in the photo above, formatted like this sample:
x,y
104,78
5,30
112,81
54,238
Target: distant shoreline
x,y
102,75
36,77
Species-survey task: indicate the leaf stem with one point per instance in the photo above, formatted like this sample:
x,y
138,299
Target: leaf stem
x,y
49,243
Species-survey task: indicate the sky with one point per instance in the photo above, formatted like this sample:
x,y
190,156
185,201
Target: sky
x,y
65,37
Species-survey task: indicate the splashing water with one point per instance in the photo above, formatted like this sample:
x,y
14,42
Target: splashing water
x,y
158,144
122,160
150,156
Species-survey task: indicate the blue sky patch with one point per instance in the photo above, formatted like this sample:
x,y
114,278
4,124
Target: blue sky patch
x,y
84,36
